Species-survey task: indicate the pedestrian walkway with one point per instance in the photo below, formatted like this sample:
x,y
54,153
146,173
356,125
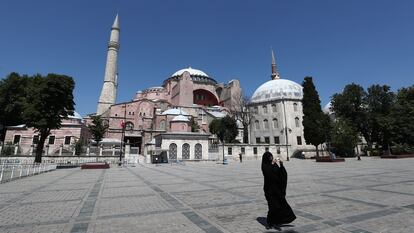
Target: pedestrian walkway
x,y
371,195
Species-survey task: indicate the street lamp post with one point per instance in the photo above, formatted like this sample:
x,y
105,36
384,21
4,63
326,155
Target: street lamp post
x,y
123,125
286,130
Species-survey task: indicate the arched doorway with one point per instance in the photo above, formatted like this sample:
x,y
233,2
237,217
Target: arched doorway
x,y
186,151
198,151
173,151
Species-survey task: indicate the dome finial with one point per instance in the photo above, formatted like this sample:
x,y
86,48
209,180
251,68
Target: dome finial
x,y
275,74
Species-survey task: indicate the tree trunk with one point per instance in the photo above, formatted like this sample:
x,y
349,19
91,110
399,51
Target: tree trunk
x,y
246,134
317,151
40,145
3,133
223,152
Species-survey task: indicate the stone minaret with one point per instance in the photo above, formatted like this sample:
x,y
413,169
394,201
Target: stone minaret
x,y
109,88
275,74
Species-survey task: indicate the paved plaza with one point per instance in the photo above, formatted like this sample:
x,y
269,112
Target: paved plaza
x,y
371,195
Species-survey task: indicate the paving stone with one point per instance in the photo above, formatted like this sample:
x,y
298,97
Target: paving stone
x,y
365,196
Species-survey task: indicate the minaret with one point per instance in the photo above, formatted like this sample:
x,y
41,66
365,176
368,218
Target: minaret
x,y
109,88
275,74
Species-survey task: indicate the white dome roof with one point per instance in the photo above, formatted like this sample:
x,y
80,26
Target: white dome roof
x,y
174,111
180,118
193,72
277,89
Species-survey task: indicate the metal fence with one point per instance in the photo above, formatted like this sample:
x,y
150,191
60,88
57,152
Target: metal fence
x,y
11,171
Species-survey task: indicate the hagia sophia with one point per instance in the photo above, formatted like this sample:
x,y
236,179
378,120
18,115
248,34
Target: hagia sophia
x,y
163,117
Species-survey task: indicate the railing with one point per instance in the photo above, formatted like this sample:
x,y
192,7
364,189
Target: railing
x,y
11,171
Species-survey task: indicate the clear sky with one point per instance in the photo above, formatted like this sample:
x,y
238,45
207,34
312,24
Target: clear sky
x,y
335,42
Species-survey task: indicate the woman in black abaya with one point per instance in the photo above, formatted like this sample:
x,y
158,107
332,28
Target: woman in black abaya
x,y
275,182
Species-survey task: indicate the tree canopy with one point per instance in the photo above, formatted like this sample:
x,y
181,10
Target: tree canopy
x,y
13,93
98,128
344,137
224,128
402,117
314,120
49,101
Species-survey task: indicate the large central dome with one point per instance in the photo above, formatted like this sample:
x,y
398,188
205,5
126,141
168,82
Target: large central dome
x,y
195,74
277,89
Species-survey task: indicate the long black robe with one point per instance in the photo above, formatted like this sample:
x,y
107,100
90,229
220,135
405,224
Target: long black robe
x,y
275,182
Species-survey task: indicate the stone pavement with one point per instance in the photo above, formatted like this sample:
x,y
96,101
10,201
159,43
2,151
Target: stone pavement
x,y
371,195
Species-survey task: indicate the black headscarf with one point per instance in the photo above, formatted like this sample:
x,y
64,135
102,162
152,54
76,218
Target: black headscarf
x,y
266,158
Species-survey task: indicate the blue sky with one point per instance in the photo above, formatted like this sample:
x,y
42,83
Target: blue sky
x,y
336,42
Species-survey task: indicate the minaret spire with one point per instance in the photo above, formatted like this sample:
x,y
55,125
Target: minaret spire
x,y
275,74
110,86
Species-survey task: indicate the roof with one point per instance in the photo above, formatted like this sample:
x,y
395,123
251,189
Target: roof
x,y
180,118
174,111
277,89
217,114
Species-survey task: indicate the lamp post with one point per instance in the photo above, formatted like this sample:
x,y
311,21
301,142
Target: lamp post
x,y
286,130
123,124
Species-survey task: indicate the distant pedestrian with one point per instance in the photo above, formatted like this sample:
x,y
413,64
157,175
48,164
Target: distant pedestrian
x,y
275,182
241,157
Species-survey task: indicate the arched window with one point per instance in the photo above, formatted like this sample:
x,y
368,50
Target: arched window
x,y
295,107
264,109
297,121
198,151
162,124
265,124
256,124
129,126
275,123
256,109
186,151
173,151
274,108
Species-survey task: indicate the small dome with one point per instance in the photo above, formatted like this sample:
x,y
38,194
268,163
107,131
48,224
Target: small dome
x,y
193,72
174,111
75,116
277,89
180,118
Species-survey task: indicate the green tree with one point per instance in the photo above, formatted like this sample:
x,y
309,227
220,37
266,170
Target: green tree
x,y
344,137
379,101
98,128
314,120
402,117
194,125
225,129
50,100
349,105
13,91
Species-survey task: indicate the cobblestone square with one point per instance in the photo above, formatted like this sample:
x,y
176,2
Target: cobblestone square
x,y
371,195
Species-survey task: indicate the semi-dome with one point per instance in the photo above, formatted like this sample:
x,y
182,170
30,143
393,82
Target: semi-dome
x,y
180,118
174,111
277,89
